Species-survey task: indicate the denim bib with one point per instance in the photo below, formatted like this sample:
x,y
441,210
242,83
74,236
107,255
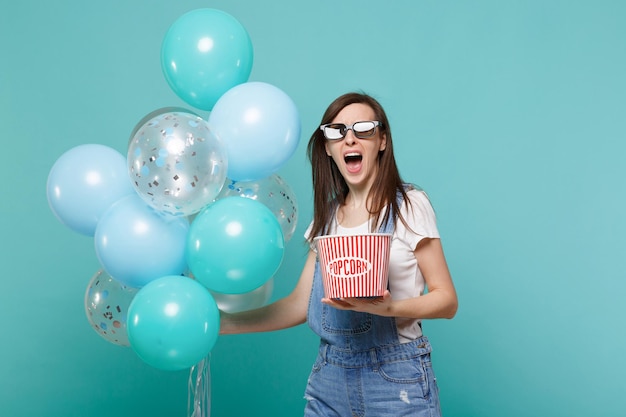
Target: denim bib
x,y
349,330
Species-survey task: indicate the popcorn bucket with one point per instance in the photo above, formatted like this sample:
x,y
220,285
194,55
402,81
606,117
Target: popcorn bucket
x,y
354,265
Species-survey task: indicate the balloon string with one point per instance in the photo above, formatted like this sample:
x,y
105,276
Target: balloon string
x,y
199,389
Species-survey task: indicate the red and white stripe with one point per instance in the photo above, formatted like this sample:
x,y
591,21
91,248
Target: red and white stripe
x,y
372,248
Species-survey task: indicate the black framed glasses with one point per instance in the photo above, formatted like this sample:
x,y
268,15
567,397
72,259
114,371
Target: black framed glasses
x,y
362,130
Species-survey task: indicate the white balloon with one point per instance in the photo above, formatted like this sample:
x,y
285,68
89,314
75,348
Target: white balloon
x,y
234,303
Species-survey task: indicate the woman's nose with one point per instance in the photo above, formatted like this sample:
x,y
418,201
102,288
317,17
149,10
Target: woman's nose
x,y
350,138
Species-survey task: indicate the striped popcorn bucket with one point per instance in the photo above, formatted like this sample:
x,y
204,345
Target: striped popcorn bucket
x,y
354,265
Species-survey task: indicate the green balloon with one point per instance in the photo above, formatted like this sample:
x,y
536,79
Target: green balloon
x,y
173,323
234,245
205,53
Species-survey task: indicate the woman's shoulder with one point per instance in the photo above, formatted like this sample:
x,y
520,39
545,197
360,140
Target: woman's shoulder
x,y
418,214
417,195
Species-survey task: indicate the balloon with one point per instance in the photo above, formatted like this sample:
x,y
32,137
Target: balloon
x,y
84,182
176,163
155,113
106,306
234,245
234,303
205,53
272,191
260,127
173,323
136,244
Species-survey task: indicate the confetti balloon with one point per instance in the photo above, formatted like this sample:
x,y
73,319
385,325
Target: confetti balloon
x,y
272,191
106,306
153,114
176,163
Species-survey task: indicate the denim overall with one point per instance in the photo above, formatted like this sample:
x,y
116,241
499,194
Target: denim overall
x,y
362,369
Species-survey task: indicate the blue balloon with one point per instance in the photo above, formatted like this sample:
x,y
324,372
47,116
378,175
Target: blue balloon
x,y
260,126
235,245
84,182
205,53
173,323
136,244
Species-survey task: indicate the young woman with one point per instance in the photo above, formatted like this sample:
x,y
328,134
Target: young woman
x,y
373,358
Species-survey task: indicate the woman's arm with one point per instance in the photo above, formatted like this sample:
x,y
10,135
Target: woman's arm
x,y
439,302
286,312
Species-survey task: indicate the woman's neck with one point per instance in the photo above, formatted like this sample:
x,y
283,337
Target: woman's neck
x,y
355,210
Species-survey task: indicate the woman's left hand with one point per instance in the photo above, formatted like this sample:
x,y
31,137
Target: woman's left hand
x,y
378,305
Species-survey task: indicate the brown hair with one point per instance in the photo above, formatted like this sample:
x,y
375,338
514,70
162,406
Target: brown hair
x,y
329,186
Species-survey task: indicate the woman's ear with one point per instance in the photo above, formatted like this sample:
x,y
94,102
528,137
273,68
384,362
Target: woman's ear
x,y
383,143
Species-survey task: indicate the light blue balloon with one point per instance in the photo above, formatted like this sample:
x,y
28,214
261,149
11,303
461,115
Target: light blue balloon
x,y
173,323
84,182
235,245
136,244
205,53
260,126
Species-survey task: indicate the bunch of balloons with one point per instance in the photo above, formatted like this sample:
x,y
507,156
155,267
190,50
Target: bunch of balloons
x,y
193,219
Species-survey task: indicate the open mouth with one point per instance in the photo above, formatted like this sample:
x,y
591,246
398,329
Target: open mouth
x,y
353,161
352,157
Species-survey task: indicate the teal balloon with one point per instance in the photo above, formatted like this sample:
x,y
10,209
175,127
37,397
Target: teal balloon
x,y
204,53
260,127
173,323
272,191
235,245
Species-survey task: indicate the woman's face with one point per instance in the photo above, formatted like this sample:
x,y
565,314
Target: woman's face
x,y
357,159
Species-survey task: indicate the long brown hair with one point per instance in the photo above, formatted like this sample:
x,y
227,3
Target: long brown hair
x,y
330,188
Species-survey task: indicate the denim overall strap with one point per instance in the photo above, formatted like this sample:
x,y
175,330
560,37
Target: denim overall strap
x,y
349,330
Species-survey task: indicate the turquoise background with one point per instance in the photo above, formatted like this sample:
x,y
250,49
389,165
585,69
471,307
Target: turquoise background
x,y
511,114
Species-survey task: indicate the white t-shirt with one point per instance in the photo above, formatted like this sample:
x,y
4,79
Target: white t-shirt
x,y
405,278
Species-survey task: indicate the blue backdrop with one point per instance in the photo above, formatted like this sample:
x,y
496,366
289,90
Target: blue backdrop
x,y
511,114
